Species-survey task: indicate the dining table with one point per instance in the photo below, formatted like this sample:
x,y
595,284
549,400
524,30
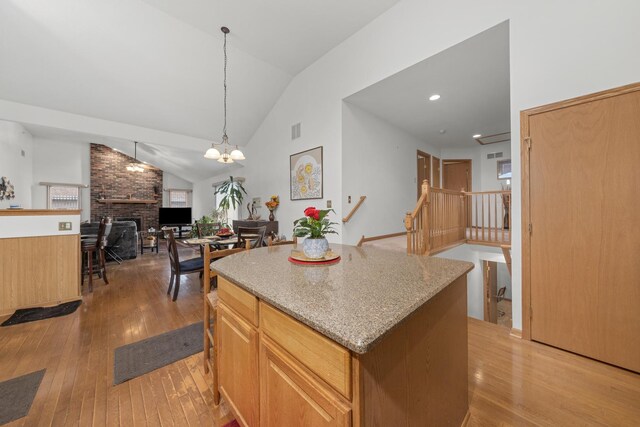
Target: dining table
x,y
219,242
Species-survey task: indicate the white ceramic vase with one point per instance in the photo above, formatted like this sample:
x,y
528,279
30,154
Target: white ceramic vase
x,y
315,248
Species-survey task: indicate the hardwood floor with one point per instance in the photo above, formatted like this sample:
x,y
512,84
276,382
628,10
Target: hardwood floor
x,y
511,382
77,351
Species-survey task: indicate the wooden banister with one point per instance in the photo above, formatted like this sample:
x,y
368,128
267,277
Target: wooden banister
x,y
506,250
445,218
355,208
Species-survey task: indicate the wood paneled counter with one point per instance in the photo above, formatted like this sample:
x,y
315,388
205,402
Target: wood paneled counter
x,y
378,339
39,263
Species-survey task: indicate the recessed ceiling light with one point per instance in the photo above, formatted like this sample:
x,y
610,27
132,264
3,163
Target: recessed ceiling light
x,y
434,97
477,135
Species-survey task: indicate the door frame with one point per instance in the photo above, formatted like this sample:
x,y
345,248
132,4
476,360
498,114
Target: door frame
x,y
526,145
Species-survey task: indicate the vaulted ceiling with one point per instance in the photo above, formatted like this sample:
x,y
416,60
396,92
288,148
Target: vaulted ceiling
x,y
158,63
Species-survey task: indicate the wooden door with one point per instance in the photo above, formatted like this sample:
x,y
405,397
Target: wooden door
x,y
584,238
490,270
291,396
435,168
456,175
424,170
238,371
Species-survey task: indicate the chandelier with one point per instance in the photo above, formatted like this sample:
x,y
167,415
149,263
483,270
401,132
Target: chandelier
x,y
135,166
224,152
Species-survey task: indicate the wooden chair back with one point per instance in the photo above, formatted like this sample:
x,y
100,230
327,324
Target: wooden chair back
x,y
172,249
257,243
100,238
206,229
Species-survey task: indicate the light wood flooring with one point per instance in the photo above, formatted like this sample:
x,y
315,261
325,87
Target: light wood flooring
x,y
511,382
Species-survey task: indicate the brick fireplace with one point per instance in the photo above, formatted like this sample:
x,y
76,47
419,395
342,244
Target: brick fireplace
x,y
111,180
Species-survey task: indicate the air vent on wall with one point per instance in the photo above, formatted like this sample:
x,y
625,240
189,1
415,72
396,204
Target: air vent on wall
x,y
494,155
295,131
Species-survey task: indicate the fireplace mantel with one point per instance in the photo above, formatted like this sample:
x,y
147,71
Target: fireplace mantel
x,y
128,201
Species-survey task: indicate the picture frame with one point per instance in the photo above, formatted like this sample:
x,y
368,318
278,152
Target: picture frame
x,y
306,174
504,169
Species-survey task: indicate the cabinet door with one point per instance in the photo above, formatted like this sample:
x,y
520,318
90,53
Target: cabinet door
x,y
238,365
290,396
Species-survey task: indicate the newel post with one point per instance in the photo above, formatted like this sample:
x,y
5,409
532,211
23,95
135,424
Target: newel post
x,y
426,241
408,225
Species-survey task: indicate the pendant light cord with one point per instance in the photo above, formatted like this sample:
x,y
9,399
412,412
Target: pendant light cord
x,y
224,131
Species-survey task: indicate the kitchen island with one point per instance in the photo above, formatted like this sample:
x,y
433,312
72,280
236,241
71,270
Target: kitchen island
x,y
378,339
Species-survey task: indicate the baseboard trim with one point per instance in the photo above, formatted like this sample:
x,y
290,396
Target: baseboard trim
x,y
516,333
467,417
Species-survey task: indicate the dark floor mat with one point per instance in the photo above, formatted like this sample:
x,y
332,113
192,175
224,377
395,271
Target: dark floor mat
x,y
17,394
133,360
38,313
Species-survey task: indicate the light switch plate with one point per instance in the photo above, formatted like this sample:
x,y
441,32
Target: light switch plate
x,y
328,204
64,226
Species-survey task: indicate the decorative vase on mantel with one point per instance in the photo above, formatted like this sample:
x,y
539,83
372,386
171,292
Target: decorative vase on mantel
x,y
271,216
315,248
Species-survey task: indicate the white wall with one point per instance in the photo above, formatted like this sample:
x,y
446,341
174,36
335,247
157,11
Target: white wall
x,y
170,181
18,168
489,167
64,162
558,50
378,161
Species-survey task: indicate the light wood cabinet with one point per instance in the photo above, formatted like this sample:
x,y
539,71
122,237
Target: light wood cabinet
x,y
291,396
283,373
238,365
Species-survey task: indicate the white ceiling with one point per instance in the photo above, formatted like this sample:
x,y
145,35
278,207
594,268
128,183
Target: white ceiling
x,y
158,64
184,163
472,79
289,34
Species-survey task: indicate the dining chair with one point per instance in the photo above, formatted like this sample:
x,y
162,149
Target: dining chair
x,y
207,229
249,234
178,268
210,312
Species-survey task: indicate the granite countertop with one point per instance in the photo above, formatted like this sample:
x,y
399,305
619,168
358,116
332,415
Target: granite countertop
x,y
355,302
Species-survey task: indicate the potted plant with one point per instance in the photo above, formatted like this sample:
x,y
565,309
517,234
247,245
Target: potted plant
x,y
232,193
314,226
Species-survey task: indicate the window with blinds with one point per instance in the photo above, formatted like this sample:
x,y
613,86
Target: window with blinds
x,y
63,197
179,198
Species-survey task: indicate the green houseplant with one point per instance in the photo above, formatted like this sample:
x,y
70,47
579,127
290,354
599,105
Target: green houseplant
x,y
232,193
314,226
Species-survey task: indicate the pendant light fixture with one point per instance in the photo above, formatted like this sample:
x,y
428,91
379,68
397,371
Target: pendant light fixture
x,y
135,166
224,152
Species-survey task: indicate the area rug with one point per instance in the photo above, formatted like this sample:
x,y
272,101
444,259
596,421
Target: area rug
x,y
17,394
139,358
38,313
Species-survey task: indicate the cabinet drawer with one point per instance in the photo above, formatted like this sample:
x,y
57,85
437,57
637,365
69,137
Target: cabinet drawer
x,y
325,358
290,396
241,301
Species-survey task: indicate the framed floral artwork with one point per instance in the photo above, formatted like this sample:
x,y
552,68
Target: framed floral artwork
x,y
306,174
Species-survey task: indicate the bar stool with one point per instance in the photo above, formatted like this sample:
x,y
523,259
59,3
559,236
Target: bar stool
x,y
94,248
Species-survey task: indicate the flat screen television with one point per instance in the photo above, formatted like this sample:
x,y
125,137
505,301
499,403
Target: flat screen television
x,y
175,216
